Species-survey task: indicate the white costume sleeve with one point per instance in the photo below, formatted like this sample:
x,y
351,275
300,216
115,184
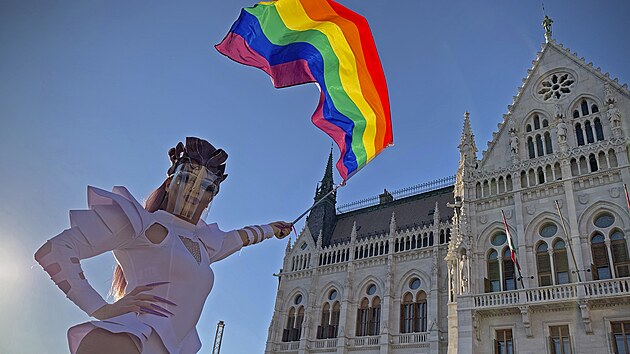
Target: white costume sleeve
x,y
232,241
112,223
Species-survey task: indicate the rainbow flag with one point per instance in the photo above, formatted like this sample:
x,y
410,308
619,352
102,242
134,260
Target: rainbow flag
x,y
301,41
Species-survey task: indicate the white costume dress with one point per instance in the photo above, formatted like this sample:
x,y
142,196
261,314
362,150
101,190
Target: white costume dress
x,y
117,222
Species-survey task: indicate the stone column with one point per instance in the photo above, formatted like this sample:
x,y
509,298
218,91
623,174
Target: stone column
x,y
388,296
570,213
613,271
347,307
553,265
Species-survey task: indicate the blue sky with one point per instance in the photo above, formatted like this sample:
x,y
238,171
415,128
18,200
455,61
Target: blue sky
x,y
96,92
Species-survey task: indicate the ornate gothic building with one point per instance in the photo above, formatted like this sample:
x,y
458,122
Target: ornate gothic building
x,y
428,269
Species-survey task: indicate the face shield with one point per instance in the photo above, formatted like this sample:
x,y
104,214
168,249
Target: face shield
x,y
191,191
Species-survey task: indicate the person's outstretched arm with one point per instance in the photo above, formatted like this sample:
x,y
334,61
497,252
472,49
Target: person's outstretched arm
x,y
250,235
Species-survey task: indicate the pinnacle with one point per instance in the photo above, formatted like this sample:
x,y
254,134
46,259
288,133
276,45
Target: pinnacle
x,y
467,133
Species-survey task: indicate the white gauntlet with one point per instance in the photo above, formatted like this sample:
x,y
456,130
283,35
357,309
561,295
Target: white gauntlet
x,y
257,233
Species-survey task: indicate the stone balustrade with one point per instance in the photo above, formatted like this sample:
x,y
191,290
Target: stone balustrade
x,y
557,293
411,338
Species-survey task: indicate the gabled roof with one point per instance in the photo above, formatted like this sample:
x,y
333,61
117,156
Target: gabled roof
x,y
416,210
530,78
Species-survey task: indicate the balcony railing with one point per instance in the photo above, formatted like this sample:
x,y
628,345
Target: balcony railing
x,y
557,293
289,346
365,341
325,343
411,338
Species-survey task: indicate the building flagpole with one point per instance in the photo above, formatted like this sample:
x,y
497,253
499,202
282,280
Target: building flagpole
x,y
566,234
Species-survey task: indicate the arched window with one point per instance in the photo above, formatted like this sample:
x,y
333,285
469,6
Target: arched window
x,y
599,133
579,134
363,318
508,183
420,320
601,160
612,158
601,266
548,174
334,320
532,177
584,106
583,165
620,253
536,122
430,238
413,314
544,265
375,317
594,108
557,171
509,277
478,190
494,278
288,333
530,148
322,330
576,114
561,262
330,321
592,161
523,179
541,175
406,314
299,319
574,168
545,123
539,146
528,128
548,146
589,132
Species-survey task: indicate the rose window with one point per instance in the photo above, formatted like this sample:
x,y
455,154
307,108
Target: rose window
x,y
556,86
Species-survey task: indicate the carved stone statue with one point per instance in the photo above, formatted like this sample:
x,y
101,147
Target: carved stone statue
x,y
614,117
463,274
562,131
547,22
513,142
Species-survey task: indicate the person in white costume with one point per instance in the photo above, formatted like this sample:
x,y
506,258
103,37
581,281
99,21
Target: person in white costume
x,y
164,251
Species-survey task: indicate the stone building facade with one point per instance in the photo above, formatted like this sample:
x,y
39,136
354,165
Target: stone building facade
x,y
428,269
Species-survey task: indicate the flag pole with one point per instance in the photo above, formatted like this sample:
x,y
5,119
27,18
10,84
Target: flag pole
x,y
512,250
566,234
625,189
318,202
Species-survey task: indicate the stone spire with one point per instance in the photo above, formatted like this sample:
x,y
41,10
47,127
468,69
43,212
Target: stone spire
x,y
467,146
323,216
288,248
436,215
327,183
392,225
467,141
467,159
